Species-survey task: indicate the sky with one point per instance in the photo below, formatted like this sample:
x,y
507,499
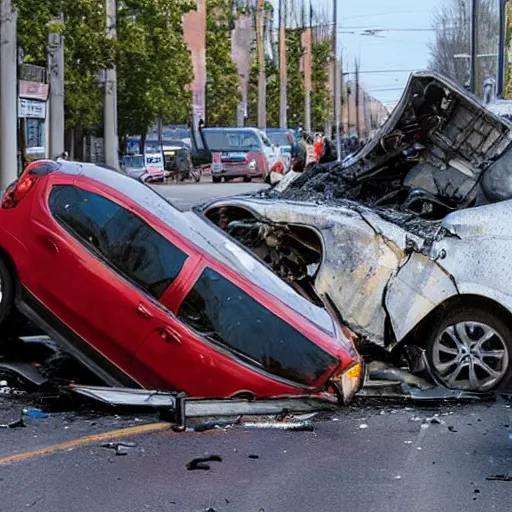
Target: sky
x,y
394,51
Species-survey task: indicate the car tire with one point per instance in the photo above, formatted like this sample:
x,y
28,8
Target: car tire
x,y
9,317
470,348
247,179
216,179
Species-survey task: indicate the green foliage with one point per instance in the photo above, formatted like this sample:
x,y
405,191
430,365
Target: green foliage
x,y
321,102
296,92
222,84
272,76
154,64
86,51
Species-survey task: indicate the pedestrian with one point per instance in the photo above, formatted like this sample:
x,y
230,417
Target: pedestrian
x,y
63,156
319,146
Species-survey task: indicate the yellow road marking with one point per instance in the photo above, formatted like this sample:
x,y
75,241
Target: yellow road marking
x,y
105,436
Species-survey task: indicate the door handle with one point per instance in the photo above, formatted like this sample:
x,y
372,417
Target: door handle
x,y
170,335
144,312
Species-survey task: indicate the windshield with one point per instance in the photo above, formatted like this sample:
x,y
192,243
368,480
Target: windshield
x,y
279,138
134,162
265,139
231,140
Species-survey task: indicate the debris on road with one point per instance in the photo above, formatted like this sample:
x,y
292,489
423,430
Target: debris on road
x,y
14,424
434,420
299,426
500,478
34,413
199,463
120,448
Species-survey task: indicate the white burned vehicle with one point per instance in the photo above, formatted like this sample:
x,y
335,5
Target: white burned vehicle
x,y
409,240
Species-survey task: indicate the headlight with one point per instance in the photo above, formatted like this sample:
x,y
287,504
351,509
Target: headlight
x,y
252,165
349,382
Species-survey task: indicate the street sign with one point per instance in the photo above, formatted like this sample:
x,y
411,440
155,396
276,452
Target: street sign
x,y
33,90
31,108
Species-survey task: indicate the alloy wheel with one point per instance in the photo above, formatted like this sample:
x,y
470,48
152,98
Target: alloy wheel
x,y
470,355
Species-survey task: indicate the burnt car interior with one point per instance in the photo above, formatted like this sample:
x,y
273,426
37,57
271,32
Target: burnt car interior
x,y
294,252
443,153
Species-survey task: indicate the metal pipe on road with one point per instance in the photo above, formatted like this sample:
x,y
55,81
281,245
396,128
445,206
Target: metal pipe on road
x,y
8,95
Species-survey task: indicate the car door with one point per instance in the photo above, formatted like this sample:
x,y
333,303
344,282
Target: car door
x,y
230,342
101,270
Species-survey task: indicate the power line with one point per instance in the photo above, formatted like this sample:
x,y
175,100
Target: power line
x,y
375,71
388,13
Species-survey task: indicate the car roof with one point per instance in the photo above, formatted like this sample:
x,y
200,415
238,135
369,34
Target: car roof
x,y
205,236
233,128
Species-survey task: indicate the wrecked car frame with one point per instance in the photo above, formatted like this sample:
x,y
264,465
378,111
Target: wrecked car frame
x,y
409,239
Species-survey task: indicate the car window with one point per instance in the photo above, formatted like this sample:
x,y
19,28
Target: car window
x,y
226,315
265,140
122,238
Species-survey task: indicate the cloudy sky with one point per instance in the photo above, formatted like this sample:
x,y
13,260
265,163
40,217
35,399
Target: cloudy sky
x,y
397,52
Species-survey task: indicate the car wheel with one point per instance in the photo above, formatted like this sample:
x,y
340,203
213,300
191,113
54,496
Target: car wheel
x,y
7,312
247,179
471,349
216,179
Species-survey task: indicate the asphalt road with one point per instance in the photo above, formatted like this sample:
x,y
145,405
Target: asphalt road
x,y
368,457
397,464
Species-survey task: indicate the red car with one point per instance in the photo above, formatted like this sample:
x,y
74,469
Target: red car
x,y
147,296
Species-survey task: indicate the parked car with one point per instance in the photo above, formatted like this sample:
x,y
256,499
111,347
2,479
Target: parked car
x,y
283,139
171,149
410,238
147,168
147,296
236,153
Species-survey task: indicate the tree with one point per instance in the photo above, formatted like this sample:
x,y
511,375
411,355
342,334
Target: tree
x,y
272,76
154,65
452,25
222,85
87,51
321,103
296,92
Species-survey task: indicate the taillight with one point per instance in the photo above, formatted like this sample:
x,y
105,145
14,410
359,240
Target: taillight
x,y
19,189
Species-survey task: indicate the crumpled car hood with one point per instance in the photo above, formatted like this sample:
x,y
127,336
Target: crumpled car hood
x,y
439,141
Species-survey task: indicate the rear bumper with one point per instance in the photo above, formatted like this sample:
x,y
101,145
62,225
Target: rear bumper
x,y
238,173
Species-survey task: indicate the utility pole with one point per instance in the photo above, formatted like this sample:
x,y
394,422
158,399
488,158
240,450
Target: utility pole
x,y
474,67
8,95
283,75
337,72
502,50
110,115
262,86
307,36
56,80
358,97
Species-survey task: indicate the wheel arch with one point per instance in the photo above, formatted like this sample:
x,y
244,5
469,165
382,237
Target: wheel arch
x,y
416,337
